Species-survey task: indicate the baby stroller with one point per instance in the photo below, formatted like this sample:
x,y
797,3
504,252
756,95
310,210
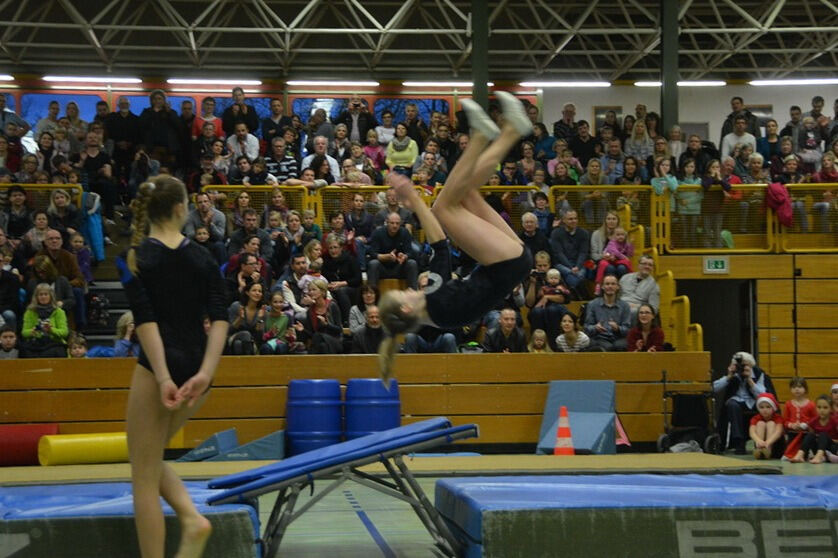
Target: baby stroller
x,y
691,418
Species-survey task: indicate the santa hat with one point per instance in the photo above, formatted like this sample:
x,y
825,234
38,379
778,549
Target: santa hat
x,y
768,398
834,387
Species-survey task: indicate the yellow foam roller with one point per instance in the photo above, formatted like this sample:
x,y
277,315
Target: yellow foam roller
x,y
71,449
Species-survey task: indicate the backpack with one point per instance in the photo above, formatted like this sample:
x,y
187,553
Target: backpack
x,y
97,310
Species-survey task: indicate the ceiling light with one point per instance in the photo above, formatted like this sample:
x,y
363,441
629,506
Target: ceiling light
x,y
565,84
647,84
206,90
333,83
702,83
92,79
442,83
814,81
6,77
202,81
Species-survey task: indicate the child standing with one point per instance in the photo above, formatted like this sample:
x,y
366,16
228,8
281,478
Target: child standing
x,y
798,411
617,254
822,436
83,257
689,204
767,428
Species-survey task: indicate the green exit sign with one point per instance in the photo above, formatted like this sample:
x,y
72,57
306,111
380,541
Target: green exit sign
x,y
716,265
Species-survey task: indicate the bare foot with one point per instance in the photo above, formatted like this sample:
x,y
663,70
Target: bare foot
x,y
817,459
194,536
798,458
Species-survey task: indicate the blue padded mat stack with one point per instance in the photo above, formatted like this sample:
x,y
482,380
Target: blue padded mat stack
x,y
97,519
271,447
590,405
217,443
370,407
637,516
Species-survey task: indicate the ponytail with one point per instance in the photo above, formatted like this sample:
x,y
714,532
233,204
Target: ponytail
x,y
394,320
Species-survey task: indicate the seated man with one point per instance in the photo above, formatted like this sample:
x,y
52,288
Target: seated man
x,y
367,339
430,339
607,318
507,337
389,251
205,215
243,142
640,287
66,264
531,235
570,245
250,220
740,387
392,206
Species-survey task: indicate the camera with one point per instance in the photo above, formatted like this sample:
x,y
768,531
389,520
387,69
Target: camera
x,y
740,365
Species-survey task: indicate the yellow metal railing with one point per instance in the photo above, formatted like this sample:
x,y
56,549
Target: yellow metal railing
x,y
815,212
744,224
296,197
37,195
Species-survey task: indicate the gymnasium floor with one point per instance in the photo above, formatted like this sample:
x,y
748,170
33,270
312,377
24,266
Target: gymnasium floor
x,y
358,522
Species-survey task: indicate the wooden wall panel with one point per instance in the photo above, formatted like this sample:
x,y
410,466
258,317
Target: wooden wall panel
x,y
776,341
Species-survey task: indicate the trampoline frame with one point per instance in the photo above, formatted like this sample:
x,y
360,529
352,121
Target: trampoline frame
x,y
399,483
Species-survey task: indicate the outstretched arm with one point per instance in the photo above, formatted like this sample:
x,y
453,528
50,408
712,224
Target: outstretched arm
x,y
408,196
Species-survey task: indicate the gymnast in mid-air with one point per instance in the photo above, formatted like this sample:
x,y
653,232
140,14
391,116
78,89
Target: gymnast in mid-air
x,y
472,225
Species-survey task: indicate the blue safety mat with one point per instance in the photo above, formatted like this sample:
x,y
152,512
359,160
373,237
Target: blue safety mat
x,y
314,458
350,453
464,501
96,500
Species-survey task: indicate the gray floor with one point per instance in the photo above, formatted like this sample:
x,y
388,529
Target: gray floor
x,y
358,522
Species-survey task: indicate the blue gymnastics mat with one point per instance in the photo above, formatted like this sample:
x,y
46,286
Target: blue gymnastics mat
x,y
339,463
642,515
97,519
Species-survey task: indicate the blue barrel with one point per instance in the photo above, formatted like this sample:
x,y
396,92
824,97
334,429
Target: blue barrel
x,y
370,407
314,415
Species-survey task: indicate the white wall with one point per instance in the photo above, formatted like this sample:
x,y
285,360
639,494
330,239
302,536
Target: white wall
x,y
696,104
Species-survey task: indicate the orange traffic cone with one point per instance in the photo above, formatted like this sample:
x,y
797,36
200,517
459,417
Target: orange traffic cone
x,y
564,441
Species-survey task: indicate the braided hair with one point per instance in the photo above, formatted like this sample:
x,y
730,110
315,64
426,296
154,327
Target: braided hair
x,y
394,320
154,204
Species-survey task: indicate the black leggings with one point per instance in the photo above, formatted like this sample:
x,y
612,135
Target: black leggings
x,y
818,441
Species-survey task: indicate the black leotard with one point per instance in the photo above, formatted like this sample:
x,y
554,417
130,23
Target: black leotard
x,y
454,303
176,288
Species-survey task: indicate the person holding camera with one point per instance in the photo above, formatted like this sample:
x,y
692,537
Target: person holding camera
x,y
741,386
358,120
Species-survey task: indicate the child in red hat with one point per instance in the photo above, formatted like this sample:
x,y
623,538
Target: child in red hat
x,y
767,428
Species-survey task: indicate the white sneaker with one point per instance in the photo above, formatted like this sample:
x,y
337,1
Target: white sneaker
x,y
479,121
514,113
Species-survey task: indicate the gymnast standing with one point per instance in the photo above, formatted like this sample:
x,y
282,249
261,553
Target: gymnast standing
x,y
473,226
172,285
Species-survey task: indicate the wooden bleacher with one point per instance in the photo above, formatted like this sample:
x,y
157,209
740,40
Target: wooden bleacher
x,y
503,393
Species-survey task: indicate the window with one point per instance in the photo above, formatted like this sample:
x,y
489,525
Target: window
x,y
33,106
397,106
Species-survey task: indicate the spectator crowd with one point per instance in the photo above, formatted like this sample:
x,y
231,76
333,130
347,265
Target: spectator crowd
x,y
294,287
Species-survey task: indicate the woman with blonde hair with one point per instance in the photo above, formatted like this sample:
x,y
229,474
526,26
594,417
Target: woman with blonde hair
x,y
172,286
126,344
45,327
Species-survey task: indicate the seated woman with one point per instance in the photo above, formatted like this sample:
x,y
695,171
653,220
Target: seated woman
x,y
247,321
646,336
63,215
473,226
44,328
572,338
126,344
252,245
322,324
44,271
367,296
